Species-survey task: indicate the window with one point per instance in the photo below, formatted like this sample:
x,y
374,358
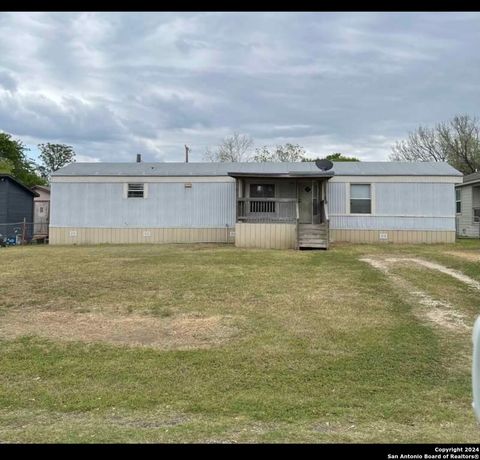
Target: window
x,y
476,215
262,191
458,200
360,199
135,191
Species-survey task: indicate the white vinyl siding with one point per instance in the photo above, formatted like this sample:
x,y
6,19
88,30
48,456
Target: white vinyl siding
x,y
166,205
467,224
396,206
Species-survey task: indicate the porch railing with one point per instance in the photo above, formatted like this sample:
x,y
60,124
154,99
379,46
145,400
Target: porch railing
x,y
297,220
266,209
326,221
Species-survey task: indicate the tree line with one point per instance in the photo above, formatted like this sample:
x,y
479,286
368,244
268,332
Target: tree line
x,y
15,161
238,147
456,142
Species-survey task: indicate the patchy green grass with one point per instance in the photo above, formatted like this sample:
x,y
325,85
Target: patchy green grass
x,y
320,346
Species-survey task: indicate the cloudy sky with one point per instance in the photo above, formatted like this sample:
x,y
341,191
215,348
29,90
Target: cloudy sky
x,y
113,85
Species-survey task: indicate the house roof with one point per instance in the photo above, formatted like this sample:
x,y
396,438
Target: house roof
x,y
374,168
41,187
8,176
470,179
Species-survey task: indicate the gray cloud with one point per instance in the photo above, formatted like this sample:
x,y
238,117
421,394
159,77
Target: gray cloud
x,y
116,84
7,81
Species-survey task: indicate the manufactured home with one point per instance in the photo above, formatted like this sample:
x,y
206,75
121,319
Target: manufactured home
x,y
467,201
254,205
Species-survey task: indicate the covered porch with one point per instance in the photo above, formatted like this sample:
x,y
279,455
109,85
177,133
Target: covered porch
x,y
282,211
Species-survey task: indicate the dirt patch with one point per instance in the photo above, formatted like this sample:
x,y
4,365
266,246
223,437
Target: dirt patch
x,y
124,259
157,418
447,319
179,332
473,256
441,268
441,313
332,427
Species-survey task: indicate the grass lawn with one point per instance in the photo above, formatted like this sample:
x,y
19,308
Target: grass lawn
x,y
210,343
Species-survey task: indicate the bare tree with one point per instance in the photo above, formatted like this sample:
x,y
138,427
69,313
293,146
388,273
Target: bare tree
x,y
460,139
456,141
421,145
234,148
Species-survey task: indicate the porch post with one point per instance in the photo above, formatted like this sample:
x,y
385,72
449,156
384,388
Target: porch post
x,y
239,194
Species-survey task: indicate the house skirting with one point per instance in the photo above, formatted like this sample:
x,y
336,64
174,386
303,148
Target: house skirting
x,y
266,236
257,235
80,235
392,236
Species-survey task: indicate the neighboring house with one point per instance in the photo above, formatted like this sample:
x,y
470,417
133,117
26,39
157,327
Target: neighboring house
x,y
262,205
16,207
41,215
467,197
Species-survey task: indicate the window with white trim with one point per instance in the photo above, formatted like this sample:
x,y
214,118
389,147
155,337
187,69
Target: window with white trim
x,y
476,215
135,191
458,200
360,199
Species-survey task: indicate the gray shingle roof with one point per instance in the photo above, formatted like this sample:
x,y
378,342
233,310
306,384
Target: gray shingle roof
x,y
374,168
471,178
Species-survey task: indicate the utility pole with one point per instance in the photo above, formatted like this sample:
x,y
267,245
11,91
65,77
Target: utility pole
x,y
187,149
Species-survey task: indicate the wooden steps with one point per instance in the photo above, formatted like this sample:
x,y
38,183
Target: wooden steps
x,y
313,236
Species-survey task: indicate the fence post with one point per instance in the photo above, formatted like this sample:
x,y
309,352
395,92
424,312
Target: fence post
x,y
24,230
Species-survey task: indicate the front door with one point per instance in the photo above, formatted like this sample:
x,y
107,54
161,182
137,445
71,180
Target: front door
x,y
305,202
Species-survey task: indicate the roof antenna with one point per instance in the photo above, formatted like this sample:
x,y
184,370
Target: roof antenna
x,y
187,149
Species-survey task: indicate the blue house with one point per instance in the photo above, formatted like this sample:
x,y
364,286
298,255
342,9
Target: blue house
x,y
16,206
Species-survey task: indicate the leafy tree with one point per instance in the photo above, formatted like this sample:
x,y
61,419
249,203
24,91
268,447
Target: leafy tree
x,y
13,155
334,157
456,141
284,153
234,148
340,157
54,157
6,166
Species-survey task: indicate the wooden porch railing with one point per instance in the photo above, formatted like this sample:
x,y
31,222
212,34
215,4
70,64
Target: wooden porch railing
x,y
297,220
326,220
267,209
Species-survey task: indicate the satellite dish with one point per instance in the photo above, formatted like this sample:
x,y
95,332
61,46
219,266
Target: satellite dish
x,y
324,165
